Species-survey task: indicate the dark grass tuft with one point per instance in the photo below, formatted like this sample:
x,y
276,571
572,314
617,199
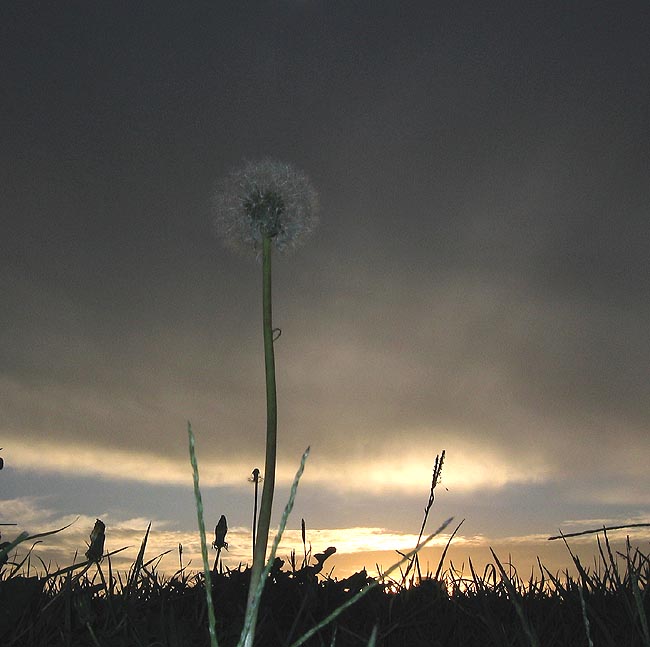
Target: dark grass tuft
x,y
609,606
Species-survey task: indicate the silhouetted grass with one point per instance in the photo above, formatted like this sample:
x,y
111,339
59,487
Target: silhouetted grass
x,y
90,604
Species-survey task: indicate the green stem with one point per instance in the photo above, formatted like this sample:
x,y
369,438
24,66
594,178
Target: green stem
x,y
259,554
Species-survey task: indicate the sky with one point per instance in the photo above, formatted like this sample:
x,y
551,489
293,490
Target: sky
x,y
478,282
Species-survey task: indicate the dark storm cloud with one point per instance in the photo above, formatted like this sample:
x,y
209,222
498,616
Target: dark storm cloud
x,y
481,267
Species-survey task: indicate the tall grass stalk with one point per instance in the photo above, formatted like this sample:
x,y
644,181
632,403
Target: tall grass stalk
x,y
435,479
257,586
204,545
255,479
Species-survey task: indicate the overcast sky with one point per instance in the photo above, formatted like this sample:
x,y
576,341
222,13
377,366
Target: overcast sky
x,y
478,282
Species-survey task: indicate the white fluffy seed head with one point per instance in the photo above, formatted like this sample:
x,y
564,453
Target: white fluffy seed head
x,y
265,198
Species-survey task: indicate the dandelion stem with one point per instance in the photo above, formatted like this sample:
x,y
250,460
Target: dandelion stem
x,y
259,553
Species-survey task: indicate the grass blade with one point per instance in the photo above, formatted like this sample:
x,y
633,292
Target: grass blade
x,y
204,545
252,608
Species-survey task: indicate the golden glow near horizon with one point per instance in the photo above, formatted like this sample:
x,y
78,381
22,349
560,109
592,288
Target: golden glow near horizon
x,y
411,473
357,547
60,549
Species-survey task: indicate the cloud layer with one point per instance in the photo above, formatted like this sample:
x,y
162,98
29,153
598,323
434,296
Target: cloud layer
x,y
478,282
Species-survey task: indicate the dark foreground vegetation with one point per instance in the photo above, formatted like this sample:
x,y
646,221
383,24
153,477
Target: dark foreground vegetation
x,y
606,605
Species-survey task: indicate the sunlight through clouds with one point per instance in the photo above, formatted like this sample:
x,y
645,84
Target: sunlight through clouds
x,y
410,473
356,547
68,546
120,464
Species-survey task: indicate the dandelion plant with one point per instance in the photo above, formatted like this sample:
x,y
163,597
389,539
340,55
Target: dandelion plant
x,y
260,207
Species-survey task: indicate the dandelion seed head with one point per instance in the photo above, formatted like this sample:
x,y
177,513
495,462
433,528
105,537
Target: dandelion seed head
x,y
267,198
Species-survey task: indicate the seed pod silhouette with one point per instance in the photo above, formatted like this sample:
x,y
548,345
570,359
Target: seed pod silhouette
x,y
321,557
255,478
220,531
220,542
4,558
96,546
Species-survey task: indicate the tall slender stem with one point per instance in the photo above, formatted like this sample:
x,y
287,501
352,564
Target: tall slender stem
x,y
259,552
256,484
